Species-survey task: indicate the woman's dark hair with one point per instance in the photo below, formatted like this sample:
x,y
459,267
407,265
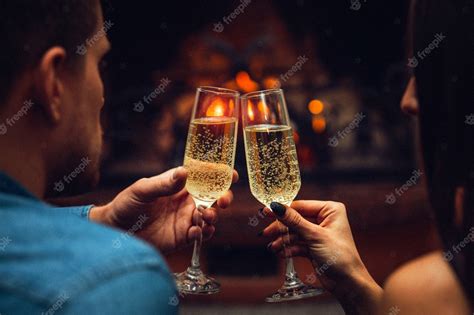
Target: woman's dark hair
x,y
30,27
442,39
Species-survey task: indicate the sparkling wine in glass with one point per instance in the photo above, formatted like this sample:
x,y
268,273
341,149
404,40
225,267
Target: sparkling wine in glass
x,y
209,160
273,170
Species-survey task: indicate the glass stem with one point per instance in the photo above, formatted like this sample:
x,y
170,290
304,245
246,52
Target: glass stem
x,y
197,243
291,277
196,254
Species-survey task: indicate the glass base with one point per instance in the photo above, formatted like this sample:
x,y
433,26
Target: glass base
x,y
194,281
294,290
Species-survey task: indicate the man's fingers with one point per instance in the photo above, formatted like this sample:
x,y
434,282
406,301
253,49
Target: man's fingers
x,y
235,176
194,233
208,231
165,184
225,200
197,217
209,216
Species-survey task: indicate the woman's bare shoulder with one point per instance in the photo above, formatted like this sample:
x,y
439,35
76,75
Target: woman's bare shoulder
x,y
426,285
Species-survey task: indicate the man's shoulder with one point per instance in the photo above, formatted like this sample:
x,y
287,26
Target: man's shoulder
x,y
46,255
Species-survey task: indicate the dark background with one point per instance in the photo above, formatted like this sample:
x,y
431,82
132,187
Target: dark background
x,y
364,46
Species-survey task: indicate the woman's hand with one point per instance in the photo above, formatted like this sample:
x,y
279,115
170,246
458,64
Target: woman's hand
x,y
320,231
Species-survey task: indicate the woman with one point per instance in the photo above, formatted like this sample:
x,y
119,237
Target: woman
x,y
440,93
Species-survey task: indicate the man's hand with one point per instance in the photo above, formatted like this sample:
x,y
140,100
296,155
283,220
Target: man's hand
x,y
160,211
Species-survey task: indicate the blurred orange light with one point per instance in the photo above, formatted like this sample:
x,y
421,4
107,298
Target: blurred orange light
x,y
296,137
250,113
216,109
319,124
271,83
245,83
316,107
263,109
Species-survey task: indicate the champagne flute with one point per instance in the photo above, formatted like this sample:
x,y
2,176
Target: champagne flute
x,y
209,160
273,170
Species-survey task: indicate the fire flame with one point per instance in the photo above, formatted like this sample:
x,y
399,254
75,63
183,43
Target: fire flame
x,y
216,109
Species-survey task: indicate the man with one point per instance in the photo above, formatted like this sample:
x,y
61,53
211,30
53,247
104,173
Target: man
x,y
54,260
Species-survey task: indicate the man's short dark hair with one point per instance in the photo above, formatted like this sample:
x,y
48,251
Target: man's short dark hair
x,y
28,28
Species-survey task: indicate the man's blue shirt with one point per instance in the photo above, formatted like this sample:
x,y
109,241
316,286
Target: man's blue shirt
x,y
54,261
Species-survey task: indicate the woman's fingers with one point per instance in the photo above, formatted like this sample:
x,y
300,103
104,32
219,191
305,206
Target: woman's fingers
x,y
274,230
313,210
277,244
293,251
292,219
319,210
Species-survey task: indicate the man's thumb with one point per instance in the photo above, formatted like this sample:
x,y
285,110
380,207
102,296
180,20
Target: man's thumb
x,y
165,184
291,218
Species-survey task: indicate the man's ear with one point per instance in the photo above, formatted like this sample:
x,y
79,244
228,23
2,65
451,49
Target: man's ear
x,y
49,84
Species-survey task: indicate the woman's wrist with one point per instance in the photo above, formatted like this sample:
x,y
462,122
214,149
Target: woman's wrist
x,y
360,294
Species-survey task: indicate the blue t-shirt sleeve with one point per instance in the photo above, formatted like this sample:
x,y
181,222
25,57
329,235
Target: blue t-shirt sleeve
x,y
139,292
80,211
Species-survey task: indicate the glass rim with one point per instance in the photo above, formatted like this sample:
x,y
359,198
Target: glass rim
x,y
218,90
261,93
